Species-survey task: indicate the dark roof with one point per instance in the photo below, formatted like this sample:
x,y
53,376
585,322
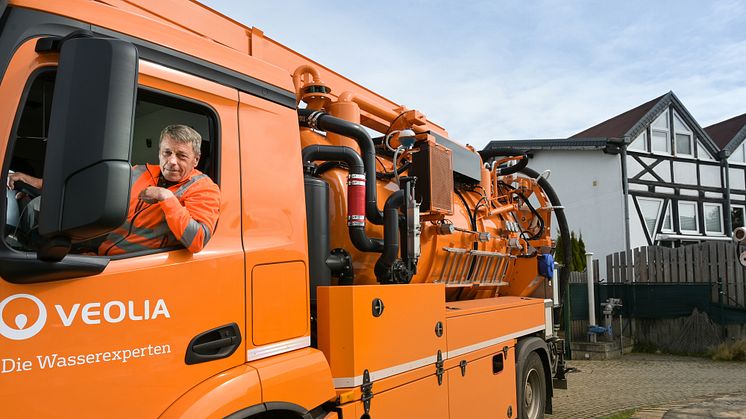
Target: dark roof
x,y
550,144
724,132
618,126
623,128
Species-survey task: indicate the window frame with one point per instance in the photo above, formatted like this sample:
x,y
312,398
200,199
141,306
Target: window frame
x,y
667,214
719,207
739,151
680,204
683,130
643,138
653,131
214,132
658,220
691,146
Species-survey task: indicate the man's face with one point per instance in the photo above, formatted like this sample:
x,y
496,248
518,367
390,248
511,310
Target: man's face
x,y
177,159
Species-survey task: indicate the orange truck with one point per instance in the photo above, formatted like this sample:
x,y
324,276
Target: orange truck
x,y
364,264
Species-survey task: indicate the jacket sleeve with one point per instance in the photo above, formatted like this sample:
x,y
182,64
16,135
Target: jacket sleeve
x,y
193,220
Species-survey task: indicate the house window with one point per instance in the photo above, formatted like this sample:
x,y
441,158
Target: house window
x,y
650,209
640,143
736,216
659,141
702,152
684,144
683,137
738,155
667,222
713,218
662,121
688,217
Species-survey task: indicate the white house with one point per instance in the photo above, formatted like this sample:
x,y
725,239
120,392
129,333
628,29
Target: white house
x,y
648,176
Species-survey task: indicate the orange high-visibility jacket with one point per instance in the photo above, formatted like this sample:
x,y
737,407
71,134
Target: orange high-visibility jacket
x,y
188,218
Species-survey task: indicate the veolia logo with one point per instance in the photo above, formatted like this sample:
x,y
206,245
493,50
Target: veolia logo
x,y
21,329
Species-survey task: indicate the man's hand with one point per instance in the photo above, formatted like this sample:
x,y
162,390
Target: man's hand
x,y
30,180
153,194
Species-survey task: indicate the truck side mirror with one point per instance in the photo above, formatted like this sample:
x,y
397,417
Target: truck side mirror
x,y
87,170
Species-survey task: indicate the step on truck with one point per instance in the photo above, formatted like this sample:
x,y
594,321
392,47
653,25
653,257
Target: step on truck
x,y
364,265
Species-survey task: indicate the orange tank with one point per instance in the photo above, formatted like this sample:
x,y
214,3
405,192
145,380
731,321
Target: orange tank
x,y
471,240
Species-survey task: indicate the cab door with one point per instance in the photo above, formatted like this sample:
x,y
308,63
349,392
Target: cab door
x,y
118,343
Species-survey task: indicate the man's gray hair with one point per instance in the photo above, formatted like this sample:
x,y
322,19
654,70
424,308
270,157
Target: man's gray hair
x,y
183,134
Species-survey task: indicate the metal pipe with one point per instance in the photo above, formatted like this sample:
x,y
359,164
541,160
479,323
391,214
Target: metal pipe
x,y
625,191
555,286
356,187
591,297
384,269
325,122
509,170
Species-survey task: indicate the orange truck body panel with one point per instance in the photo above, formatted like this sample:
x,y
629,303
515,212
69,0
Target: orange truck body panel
x,y
114,343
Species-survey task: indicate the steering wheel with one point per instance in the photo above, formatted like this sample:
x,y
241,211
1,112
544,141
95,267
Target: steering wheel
x,y
24,187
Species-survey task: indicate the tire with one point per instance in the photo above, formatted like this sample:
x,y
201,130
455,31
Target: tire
x,y
532,391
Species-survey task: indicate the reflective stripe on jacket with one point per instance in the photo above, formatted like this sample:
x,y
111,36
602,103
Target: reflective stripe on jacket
x,y
188,218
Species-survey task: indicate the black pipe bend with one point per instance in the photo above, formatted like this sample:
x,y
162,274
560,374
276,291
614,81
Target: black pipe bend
x,y
383,268
522,163
355,164
563,226
325,122
334,153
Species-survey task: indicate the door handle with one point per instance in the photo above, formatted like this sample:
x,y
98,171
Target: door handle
x,y
213,344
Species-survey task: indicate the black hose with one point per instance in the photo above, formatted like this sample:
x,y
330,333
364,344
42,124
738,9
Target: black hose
x,y
383,268
487,154
509,170
559,212
335,153
472,217
326,122
355,164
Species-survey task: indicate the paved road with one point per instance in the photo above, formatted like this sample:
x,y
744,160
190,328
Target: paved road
x,y
723,406
599,388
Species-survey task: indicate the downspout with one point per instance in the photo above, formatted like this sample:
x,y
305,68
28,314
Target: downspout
x,y
727,222
625,191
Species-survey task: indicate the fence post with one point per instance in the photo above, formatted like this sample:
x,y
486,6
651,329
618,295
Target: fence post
x,y
591,298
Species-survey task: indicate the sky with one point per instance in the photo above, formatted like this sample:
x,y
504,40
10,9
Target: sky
x,y
487,70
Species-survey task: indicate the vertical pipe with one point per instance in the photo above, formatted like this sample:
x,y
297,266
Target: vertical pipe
x,y
555,285
621,332
725,180
625,191
591,297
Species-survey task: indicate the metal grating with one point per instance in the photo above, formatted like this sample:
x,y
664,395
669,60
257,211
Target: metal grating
x,y
462,267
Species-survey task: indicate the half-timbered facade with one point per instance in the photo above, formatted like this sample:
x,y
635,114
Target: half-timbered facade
x,y
649,176
729,135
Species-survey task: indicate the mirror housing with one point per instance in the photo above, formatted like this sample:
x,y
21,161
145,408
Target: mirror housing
x,y
86,170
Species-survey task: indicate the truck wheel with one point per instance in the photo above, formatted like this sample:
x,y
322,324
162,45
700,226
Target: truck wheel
x,y
532,392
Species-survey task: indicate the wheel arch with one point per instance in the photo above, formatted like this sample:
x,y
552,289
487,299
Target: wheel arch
x,y
272,409
523,348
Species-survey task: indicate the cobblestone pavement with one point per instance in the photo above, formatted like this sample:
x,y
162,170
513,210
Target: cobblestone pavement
x,y
724,406
599,388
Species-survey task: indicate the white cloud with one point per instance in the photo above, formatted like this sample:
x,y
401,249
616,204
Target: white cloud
x,y
501,69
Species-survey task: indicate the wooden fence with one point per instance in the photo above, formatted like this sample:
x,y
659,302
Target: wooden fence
x,y
711,262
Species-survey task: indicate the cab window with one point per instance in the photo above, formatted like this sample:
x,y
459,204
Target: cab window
x,y
27,146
